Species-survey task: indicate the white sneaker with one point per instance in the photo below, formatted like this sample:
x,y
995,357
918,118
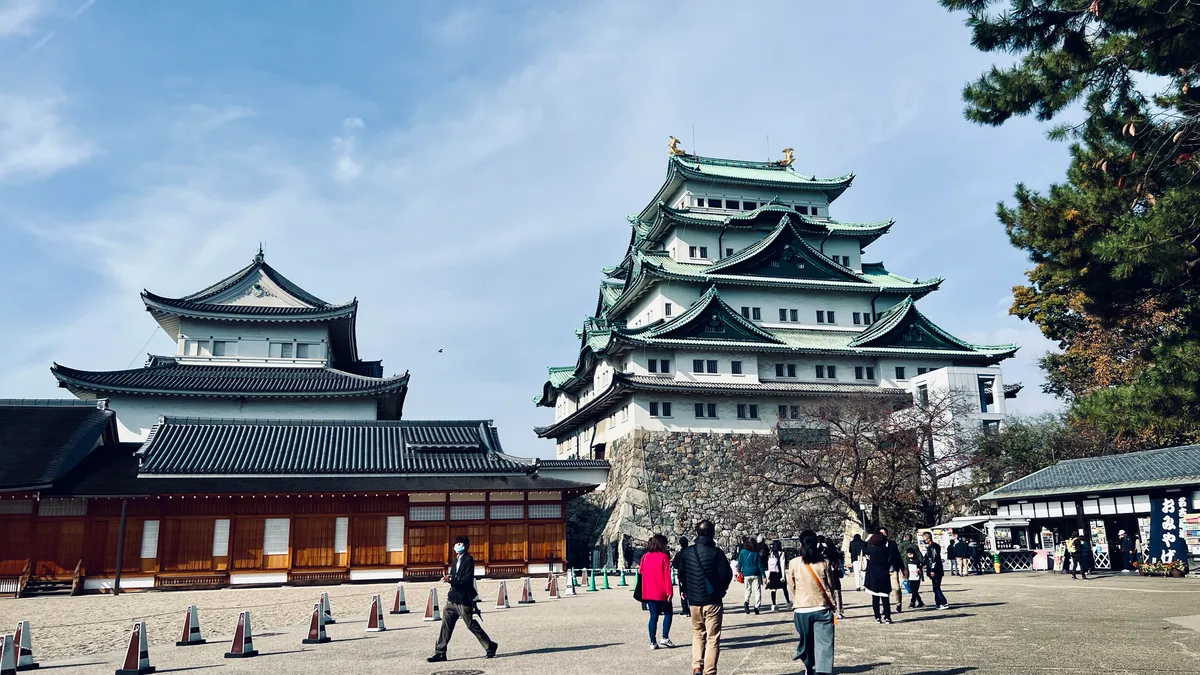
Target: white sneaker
x,y
666,642
772,608
653,646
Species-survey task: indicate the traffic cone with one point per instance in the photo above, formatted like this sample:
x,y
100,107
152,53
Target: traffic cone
x,y
243,640
554,587
327,609
8,658
23,647
191,628
570,590
375,618
433,612
137,656
526,593
400,607
606,586
316,627
623,582
502,596
591,575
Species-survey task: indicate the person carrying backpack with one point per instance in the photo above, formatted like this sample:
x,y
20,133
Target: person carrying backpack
x,y
706,575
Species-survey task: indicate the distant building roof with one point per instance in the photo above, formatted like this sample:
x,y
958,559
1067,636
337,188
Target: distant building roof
x,y
165,376
1161,468
40,441
200,446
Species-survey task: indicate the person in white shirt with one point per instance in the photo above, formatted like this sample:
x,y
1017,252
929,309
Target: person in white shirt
x,y
915,575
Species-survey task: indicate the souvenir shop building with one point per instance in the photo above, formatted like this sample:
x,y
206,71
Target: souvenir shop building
x,y
1153,494
264,451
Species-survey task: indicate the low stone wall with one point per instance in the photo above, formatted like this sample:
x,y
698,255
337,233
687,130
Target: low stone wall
x,y
665,482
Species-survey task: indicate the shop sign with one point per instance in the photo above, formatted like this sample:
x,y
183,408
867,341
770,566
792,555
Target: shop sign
x,y
1167,540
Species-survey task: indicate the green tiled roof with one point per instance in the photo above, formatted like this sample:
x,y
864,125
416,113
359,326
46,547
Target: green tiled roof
x,y
1148,469
755,173
667,216
709,309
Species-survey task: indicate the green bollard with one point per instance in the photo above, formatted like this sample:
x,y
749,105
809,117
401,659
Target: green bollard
x,y
623,582
591,581
606,586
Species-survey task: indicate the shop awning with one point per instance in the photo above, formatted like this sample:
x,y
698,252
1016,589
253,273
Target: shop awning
x,y
962,521
1010,522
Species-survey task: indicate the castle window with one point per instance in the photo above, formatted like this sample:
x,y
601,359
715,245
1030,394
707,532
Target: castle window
x,y
306,350
795,315
756,313
749,206
831,371
731,203
815,212
747,411
706,410
856,318
900,373
922,371
783,315
714,203
778,370
820,372
697,365
652,365
783,412
712,366
829,318
820,316
746,312
803,210
224,348
735,367
660,409
791,370
666,309
795,410
728,252
195,348
281,350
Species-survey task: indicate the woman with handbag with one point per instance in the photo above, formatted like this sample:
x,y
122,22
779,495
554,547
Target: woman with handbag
x,y
809,579
878,581
776,565
654,589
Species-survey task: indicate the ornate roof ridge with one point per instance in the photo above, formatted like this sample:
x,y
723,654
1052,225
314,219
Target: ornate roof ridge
x,y
258,264
785,225
710,297
763,165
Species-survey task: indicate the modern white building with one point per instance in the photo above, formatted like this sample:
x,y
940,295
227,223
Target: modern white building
x,y
740,302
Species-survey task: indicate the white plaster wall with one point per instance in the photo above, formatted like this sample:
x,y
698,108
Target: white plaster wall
x,y
750,369
713,188
136,415
683,414
591,476
254,340
651,308
806,302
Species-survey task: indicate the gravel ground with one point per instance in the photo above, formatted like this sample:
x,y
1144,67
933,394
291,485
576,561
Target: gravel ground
x,y
1012,623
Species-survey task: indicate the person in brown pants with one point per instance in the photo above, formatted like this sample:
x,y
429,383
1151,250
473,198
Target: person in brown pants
x,y
706,577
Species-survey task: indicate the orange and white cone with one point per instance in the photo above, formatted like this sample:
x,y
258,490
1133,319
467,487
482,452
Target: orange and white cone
x,y
375,618
327,609
400,607
502,596
191,628
137,655
554,587
23,647
433,611
316,627
526,593
243,639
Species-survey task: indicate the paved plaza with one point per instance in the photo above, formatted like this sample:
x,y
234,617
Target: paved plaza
x,y
1013,623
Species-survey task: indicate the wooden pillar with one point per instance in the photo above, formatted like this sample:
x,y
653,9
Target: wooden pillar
x,y
120,547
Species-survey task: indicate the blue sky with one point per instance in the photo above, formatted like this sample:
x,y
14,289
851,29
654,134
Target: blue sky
x,y
464,169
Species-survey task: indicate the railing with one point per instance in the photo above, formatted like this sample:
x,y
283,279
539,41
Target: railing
x,y
1015,561
424,573
77,578
8,585
191,580
501,571
321,577
1102,561
26,575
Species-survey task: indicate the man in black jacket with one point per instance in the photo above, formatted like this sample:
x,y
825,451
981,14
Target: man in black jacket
x,y
706,577
934,569
460,602
677,565
898,568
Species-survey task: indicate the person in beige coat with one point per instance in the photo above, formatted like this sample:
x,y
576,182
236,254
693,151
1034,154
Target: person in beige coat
x,y
810,581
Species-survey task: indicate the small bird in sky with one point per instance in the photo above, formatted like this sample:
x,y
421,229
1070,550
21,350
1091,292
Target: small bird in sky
x,y
439,351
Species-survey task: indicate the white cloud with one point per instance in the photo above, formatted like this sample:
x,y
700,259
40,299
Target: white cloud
x,y
35,140
345,167
17,17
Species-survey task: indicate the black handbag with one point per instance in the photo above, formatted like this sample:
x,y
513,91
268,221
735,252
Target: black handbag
x,y
637,587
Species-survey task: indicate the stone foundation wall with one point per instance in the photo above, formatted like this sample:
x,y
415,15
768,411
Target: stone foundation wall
x,y
666,482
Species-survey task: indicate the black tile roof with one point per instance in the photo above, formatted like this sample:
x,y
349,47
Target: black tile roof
x,y
247,312
40,441
1164,467
199,446
165,376
113,472
573,464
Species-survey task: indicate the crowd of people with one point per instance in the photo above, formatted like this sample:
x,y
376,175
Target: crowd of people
x,y
809,580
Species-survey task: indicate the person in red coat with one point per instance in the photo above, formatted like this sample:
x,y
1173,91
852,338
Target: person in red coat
x,y
657,590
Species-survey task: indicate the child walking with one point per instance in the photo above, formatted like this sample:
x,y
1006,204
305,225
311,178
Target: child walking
x,y
915,576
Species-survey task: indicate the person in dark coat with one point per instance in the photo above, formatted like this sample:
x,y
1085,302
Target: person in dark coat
x,y
952,556
898,568
677,565
460,603
707,575
856,548
934,569
878,578
1128,544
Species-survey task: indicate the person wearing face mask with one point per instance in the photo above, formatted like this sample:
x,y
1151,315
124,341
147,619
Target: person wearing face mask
x,y
460,602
